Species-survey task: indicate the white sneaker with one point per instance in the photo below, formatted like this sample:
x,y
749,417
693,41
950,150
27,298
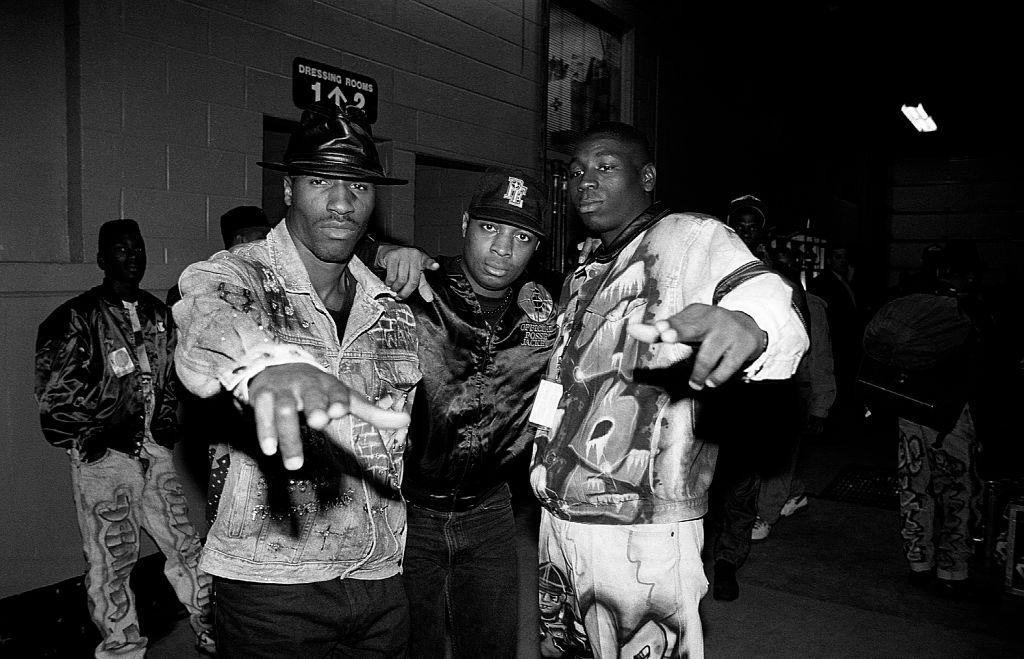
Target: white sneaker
x,y
760,531
794,504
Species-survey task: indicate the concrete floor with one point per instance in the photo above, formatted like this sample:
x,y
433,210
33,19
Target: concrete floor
x,y
830,582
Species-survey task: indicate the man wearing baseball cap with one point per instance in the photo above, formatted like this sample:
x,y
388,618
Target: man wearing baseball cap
x,y
484,340
307,542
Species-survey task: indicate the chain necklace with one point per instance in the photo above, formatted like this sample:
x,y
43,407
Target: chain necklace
x,y
494,315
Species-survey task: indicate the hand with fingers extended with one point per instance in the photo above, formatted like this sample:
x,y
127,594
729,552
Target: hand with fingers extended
x,y
405,266
279,394
725,340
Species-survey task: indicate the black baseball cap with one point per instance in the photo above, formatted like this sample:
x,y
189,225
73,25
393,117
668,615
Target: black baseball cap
x,y
510,197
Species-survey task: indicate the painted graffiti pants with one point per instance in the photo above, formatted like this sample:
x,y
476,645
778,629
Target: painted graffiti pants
x,y
936,482
116,497
621,590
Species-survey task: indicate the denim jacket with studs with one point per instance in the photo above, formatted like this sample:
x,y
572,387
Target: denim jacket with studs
x,y
342,513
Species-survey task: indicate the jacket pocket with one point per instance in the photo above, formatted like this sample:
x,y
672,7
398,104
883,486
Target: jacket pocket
x,y
625,308
396,377
239,489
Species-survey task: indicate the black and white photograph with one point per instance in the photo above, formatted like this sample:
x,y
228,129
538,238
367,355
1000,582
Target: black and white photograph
x,y
465,329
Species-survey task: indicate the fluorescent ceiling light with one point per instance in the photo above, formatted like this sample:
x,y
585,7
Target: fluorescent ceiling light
x,y
919,118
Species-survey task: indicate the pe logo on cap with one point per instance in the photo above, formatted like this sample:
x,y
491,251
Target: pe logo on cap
x,y
516,191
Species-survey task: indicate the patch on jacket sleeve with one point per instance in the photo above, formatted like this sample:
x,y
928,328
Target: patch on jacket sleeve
x,y
535,301
280,309
238,298
396,329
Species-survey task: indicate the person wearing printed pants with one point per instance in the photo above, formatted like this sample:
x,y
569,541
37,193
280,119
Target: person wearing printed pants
x,y
106,396
115,498
936,481
620,462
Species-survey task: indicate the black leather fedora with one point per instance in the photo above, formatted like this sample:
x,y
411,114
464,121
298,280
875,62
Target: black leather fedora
x,y
335,143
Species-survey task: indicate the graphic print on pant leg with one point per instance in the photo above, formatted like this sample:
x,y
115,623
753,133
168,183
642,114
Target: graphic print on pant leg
x,y
561,632
165,510
952,484
645,611
916,506
117,541
120,538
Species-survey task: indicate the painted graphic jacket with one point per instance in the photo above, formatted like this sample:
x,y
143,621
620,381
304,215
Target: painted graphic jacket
x,y
88,379
341,514
626,447
469,431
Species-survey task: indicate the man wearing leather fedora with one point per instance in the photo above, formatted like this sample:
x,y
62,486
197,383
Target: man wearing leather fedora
x,y
306,547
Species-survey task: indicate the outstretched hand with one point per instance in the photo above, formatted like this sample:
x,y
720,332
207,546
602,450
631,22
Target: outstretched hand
x,y
725,340
279,393
405,266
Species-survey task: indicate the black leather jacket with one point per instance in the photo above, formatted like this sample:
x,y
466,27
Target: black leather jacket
x,y
470,432
83,403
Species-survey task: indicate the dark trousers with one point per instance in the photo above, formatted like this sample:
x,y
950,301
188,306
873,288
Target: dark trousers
x,y
336,618
461,576
733,507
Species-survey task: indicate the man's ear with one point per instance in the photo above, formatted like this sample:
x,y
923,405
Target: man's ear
x,y
648,176
100,261
465,222
287,190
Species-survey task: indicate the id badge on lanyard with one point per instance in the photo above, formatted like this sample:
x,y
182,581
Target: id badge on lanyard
x,y
545,404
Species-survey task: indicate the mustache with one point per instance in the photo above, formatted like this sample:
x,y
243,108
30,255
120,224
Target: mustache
x,y
339,222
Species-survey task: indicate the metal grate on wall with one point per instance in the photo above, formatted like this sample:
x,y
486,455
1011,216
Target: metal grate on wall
x,y
560,246
584,76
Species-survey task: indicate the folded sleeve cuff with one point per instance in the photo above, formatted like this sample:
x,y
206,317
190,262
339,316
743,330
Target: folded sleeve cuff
x,y
769,301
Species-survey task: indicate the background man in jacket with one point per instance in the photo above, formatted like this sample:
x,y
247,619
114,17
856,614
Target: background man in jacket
x,y
106,395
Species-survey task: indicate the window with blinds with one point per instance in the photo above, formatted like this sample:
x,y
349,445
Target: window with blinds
x,y
584,76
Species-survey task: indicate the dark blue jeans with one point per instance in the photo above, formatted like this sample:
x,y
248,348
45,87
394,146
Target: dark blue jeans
x,y
461,576
336,618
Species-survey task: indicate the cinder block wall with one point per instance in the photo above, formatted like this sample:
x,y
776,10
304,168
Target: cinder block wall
x,y
162,121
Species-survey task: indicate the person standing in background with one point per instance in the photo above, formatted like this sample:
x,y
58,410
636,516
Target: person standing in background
x,y
240,225
107,396
782,493
836,286
754,446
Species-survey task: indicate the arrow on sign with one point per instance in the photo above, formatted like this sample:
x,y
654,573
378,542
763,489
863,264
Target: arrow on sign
x,y
337,96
